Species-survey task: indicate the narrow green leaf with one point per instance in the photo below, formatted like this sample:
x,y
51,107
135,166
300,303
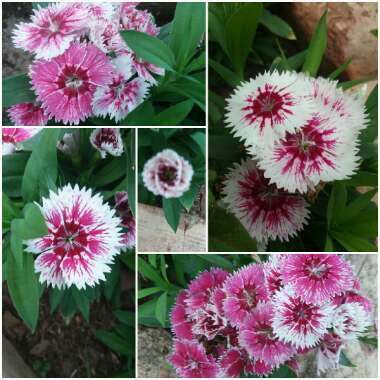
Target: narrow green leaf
x,y
10,211
17,89
225,73
188,198
362,179
161,309
113,170
329,244
353,83
240,32
188,27
24,289
172,209
34,220
41,170
196,64
125,317
149,48
148,292
353,243
343,360
173,115
114,342
337,202
142,115
149,272
277,25
317,47
335,74
82,303
217,260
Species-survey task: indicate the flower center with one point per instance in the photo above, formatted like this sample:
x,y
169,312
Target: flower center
x,y
53,27
167,174
74,82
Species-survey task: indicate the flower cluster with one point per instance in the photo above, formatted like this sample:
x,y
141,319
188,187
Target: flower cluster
x,y
167,174
300,133
82,65
84,237
266,315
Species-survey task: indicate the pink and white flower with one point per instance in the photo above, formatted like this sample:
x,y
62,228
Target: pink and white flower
x,y
272,272
107,140
13,137
235,361
181,323
83,239
121,96
136,19
66,84
350,320
317,278
263,110
297,322
328,353
127,220
322,150
189,358
167,174
51,30
244,290
257,337
27,114
265,211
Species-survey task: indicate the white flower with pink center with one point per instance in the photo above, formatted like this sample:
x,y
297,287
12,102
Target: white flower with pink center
x,y
66,84
127,220
107,141
83,239
317,278
322,150
244,290
27,114
167,174
51,30
263,110
328,353
257,337
121,96
13,137
350,321
265,211
297,322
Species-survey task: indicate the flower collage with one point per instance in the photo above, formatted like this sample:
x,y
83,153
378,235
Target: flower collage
x,y
189,189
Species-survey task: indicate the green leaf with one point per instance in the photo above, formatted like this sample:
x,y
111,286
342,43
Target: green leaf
x,y
17,89
114,342
40,4
372,341
353,243
217,260
355,207
113,170
82,303
41,170
161,309
55,298
10,211
188,198
317,47
149,48
142,115
335,74
173,115
148,292
34,221
196,64
353,83
343,360
200,138
225,73
172,209
240,32
283,372
362,179
24,289
188,27
329,244
131,170
149,272
337,202
277,25
125,317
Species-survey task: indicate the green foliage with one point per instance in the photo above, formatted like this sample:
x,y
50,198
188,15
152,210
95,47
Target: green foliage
x,y
190,144
16,89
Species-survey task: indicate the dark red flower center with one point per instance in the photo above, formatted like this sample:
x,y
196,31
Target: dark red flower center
x,y
316,269
271,104
74,80
301,313
70,239
167,174
106,136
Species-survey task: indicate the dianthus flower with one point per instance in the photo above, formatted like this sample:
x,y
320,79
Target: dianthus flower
x,y
265,211
27,114
51,30
167,174
83,239
13,137
316,277
107,140
128,222
262,110
328,353
66,84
